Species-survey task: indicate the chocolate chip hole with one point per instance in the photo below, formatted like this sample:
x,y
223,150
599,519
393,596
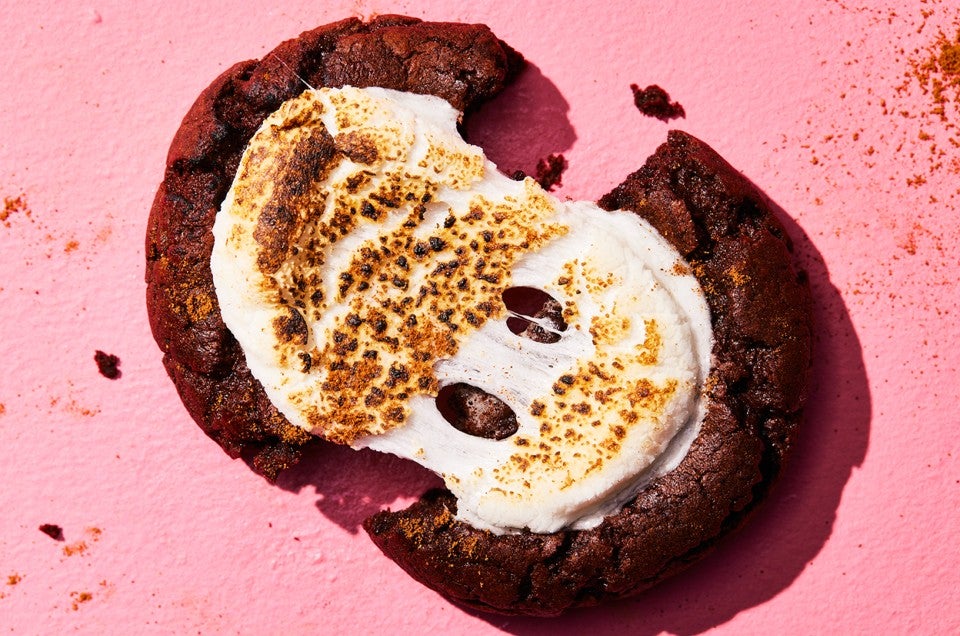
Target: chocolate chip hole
x,y
475,412
528,303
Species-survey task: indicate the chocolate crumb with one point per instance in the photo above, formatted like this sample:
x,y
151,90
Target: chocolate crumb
x,y
653,101
550,171
108,364
52,530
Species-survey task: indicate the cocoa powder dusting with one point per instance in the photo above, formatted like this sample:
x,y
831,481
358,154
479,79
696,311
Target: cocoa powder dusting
x,y
12,206
79,598
932,74
914,87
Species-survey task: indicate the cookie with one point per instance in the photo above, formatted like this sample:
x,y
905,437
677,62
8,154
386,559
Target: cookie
x,y
731,246
464,64
761,313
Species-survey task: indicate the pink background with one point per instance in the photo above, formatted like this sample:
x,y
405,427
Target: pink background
x,y
164,533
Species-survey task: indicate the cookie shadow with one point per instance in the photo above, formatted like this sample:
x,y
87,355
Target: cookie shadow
x,y
526,123
787,532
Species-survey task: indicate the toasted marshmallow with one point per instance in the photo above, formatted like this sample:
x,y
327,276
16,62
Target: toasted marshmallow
x,y
360,259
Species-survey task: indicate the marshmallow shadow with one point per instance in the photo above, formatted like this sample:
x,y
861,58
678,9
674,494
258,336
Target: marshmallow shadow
x,y
526,123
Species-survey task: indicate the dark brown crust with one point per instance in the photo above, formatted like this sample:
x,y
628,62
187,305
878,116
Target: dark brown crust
x,y
464,64
718,220
762,327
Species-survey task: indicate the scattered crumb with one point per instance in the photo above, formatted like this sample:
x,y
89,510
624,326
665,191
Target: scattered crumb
x,y
550,171
74,407
79,598
80,547
11,206
108,364
71,246
14,578
936,70
52,530
3,408
653,101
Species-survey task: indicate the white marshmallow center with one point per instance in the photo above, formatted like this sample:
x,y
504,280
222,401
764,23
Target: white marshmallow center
x,y
360,260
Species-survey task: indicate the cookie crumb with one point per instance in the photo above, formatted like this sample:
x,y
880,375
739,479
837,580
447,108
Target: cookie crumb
x,y
14,578
108,364
653,101
52,530
550,171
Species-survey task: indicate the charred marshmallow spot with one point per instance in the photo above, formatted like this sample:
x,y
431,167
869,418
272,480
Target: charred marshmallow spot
x,y
391,289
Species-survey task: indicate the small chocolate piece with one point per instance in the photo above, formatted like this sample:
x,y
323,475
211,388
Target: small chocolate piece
x,y
52,530
108,364
550,171
653,101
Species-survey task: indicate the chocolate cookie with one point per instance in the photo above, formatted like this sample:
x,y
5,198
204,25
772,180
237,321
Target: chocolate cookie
x,y
464,64
721,224
760,307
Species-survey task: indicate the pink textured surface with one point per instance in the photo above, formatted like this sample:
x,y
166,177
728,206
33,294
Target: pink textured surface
x,y
163,533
